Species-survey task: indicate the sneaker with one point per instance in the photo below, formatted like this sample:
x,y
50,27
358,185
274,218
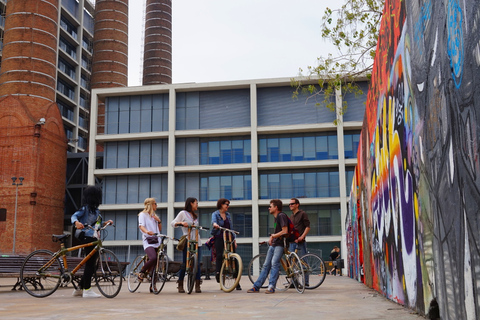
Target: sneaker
x,y
270,291
253,290
239,287
77,292
90,294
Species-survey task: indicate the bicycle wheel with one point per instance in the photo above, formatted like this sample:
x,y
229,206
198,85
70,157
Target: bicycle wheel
x,y
231,272
192,273
160,274
132,277
297,274
255,267
108,275
314,269
41,273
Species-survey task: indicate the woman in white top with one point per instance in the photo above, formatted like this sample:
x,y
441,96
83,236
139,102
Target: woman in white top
x,y
149,223
185,218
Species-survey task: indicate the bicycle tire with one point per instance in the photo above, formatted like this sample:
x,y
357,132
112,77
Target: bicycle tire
x,y
108,275
297,272
315,271
231,272
192,273
255,267
132,277
160,275
42,283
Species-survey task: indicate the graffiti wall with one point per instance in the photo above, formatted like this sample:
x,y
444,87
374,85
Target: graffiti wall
x,y
413,228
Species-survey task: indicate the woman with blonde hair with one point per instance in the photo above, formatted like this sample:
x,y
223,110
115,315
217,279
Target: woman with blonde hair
x,y
150,224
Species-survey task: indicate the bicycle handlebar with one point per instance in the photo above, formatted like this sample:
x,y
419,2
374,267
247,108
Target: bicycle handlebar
x,y
102,228
165,236
229,230
198,227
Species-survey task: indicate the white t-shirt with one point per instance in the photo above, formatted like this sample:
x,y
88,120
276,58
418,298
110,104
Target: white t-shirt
x,y
185,216
145,220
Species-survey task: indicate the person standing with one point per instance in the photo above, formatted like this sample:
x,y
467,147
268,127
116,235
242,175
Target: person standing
x,y
150,224
302,224
275,249
185,218
88,215
221,218
334,255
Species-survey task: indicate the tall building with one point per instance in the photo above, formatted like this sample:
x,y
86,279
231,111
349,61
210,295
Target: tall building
x,y
247,141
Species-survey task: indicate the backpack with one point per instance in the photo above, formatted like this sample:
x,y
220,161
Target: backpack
x,y
293,233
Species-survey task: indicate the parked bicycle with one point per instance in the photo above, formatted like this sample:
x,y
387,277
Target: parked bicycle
x,y
292,271
160,273
313,268
43,271
232,265
191,265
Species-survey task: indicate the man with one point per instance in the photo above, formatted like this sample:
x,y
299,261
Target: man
x,y
275,250
302,224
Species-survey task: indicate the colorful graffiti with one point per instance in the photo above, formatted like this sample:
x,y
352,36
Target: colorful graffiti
x,y
413,227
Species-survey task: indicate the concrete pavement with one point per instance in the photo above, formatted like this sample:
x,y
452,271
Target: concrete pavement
x,y
337,298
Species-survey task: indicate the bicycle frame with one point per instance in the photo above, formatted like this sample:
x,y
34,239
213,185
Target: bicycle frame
x,y
192,246
228,244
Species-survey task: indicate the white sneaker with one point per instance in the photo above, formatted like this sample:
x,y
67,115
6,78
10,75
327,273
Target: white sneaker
x,y
90,294
77,292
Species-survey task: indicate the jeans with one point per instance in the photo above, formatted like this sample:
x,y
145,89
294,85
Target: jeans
x,y
272,265
181,272
301,251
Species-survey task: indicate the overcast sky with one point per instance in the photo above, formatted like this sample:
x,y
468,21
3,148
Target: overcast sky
x,y
221,40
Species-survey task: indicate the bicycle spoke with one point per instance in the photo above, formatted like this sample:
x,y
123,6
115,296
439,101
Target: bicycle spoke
x,y
231,272
160,274
134,271
314,269
108,275
40,275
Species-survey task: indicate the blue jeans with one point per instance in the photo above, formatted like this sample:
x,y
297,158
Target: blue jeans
x,y
272,265
181,272
301,251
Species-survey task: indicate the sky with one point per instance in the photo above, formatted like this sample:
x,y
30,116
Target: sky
x,y
223,40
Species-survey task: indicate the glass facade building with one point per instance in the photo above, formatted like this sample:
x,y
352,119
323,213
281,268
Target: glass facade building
x,y
247,141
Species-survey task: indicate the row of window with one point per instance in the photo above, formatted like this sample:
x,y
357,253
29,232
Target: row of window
x,y
210,186
206,151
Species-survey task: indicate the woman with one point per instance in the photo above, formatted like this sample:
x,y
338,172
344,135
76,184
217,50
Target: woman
x,y
221,218
88,215
150,224
185,218
334,255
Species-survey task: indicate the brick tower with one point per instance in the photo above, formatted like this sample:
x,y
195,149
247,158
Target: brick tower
x,y
32,139
157,59
110,47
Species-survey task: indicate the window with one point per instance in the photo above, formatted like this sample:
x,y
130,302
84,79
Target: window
x,y
67,68
68,48
134,188
65,110
69,27
135,154
66,89
351,141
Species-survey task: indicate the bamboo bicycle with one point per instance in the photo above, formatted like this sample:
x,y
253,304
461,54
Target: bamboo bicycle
x,y
232,265
43,271
160,272
191,266
293,271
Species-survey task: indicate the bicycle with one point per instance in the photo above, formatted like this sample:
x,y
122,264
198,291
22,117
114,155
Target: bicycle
x,y
43,271
293,271
232,265
160,273
191,265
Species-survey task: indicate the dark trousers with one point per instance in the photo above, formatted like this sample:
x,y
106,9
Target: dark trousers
x,y
90,266
219,247
152,259
181,273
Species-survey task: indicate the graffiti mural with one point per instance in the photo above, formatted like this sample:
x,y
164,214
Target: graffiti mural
x,y
413,227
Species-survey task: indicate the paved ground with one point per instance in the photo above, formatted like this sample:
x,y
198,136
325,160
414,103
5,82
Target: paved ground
x,y
337,298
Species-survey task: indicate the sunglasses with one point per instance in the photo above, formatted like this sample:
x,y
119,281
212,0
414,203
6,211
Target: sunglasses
x,y
227,204
291,204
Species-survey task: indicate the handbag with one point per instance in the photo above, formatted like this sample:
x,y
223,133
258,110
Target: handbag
x,y
181,243
152,239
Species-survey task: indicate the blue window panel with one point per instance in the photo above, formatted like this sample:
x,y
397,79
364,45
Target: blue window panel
x,y
122,161
298,185
111,121
120,225
273,150
132,226
297,149
263,186
157,151
285,149
192,151
134,154
192,187
332,147
274,186
180,182
181,111
159,112
285,185
144,188
214,188
110,160
135,114
204,153
310,184
146,114
156,186
109,190
334,184
203,189
348,147
247,183
322,147
226,151
237,153
192,117
132,195
226,187
309,148
247,149
124,115
237,188
322,185
214,152
180,152
262,150
145,153
122,189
